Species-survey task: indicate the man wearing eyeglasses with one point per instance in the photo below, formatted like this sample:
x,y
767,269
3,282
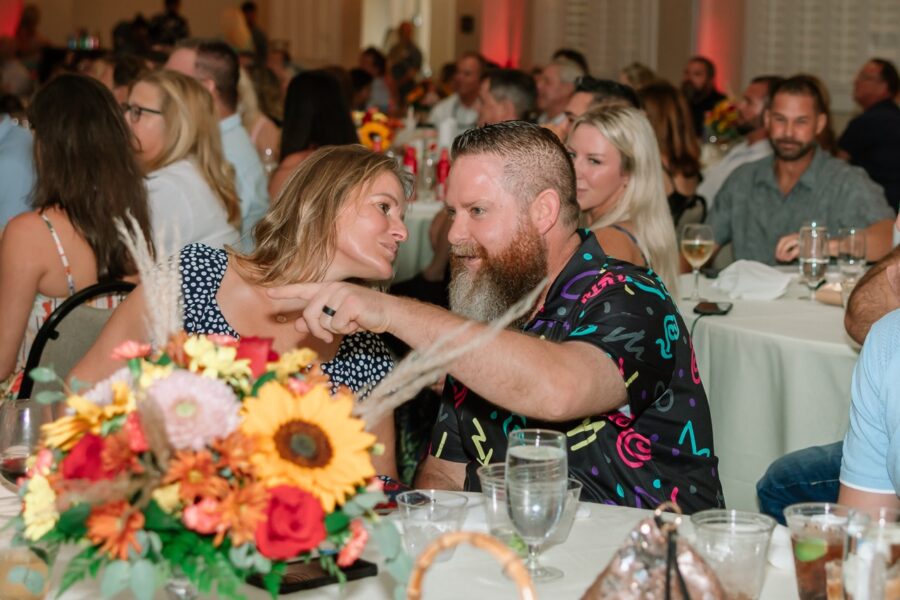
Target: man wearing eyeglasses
x,y
215,65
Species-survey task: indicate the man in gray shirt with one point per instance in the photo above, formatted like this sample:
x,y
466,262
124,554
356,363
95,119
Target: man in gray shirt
x,y
763,204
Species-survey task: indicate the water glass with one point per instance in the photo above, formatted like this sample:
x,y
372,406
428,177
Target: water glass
x,y
428,514
496,509
536,489
851,252
573,498
813,255
735,544
818,531
872,556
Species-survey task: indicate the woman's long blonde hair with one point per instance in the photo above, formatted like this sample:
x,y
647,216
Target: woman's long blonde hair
x,y
192,132
296,239
643,202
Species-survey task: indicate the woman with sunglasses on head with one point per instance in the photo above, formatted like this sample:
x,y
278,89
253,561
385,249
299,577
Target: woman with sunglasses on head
x,y
69,241
339,217
189,182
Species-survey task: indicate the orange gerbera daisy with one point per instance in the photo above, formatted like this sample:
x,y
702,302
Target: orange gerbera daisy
x,y
235,453
114,526
117,455
242,511
197,474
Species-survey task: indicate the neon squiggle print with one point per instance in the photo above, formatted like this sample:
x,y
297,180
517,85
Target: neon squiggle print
x,y
586,426
646,288
483,458
670,328
695,372
689,430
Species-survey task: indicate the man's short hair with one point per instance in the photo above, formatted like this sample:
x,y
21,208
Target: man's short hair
x,y
535,160
573,55
771,82
482,63
248,7
516,86
219,62
710,67
803,85
569,70
607,91
378,59
888,75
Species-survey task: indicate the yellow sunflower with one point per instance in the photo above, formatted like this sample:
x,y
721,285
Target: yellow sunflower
x,y
65,432
308,441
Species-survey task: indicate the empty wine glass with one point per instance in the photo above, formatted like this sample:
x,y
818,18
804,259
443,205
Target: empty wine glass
x,y
697,244
536,490
851,252
20,432
814,257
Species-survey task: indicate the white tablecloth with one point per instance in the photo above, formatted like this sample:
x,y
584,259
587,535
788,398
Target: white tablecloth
x,y
777,375
416,252
474,574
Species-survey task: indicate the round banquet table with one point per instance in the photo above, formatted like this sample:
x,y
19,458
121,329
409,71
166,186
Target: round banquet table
x,y
416,252
777,375
596,534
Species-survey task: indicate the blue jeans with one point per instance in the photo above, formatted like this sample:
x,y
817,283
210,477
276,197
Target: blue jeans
x,y
808,475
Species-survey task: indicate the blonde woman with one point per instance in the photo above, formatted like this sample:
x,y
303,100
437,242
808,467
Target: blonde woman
x,y
264,133
338,218
619,185
190,185
636,75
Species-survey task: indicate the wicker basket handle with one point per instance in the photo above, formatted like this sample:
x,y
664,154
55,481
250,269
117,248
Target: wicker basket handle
x,y
508,559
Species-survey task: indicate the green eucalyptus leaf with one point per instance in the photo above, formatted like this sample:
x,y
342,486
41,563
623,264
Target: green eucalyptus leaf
x,y
78,568
49,396
115,578
43,374
143,579
387,539
400,568
262,564
77,385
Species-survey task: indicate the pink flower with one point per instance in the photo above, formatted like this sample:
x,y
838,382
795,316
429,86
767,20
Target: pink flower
x,y
42,463
298,387
375,484
204,517
137,442
130,349
197,409
354,546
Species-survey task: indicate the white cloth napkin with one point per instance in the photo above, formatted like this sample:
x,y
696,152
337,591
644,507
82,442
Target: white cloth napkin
x,y
752,280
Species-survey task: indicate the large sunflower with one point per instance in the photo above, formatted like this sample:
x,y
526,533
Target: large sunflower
x,y
308,441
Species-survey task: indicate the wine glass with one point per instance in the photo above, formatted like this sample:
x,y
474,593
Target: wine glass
x,y
697,245
20,432
814,256
851,252
536,490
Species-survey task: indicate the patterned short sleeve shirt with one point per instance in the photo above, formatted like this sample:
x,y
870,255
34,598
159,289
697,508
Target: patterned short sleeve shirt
x,y
659,446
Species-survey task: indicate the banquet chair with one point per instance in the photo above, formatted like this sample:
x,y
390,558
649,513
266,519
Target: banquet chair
x,y
68,333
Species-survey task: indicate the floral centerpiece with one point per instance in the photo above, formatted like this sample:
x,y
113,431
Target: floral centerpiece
x,y
720,124
375,129
208,461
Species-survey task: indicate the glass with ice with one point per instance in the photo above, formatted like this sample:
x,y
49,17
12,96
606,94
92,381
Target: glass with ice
x,y
428,514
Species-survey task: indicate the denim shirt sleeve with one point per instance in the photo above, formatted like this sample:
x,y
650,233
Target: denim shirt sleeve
x,y
871,457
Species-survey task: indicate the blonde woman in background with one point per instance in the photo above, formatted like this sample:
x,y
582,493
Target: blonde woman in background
x,y
619,186
636,75
264,134
190,184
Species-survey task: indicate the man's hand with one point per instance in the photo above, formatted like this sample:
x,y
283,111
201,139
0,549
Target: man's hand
x,y
788,248
336,308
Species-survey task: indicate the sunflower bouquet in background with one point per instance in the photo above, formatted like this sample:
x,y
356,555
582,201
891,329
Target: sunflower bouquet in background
x,y
374,128
211,461
720,125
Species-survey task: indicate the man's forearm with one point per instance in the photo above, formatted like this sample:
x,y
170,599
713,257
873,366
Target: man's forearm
x,y
872,298
518,372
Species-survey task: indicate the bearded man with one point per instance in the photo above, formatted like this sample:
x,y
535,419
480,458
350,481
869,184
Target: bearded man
x,y
605,357
763,204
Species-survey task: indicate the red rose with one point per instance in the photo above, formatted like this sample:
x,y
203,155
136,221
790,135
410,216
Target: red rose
x,y
85,461
294,523
258,351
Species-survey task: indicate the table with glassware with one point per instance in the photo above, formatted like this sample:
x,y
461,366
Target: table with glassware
x,y
597,532
777,374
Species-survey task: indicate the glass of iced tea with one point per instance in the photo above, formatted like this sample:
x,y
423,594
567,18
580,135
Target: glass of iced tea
x,y
872,556
20,432
818,532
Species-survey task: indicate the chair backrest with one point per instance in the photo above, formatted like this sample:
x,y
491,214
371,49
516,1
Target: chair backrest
x,y
68,333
